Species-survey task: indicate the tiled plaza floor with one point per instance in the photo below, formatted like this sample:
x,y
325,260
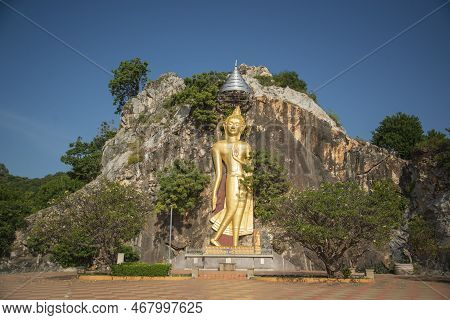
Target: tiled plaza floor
x,y
54,285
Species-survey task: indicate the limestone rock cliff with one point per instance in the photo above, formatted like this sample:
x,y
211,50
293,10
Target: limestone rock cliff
x,y
291,125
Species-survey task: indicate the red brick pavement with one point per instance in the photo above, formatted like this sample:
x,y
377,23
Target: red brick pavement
x,y
54,285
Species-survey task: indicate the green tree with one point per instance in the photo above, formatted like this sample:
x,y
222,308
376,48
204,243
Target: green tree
x,y
94,230
290,79
54,190
85,157
399,132
338,221
201,94
13,210
180,186
129,78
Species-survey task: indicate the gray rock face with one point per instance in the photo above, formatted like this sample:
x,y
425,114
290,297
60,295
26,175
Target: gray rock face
x,y
428,186
292,126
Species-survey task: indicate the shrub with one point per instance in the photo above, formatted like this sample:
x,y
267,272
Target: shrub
x,y
287,79
130,255
74,250
265,80
180,186
346,273
334,117
399,132
133,158
141,269
437,145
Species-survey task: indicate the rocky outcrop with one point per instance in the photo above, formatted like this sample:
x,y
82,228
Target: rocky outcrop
x,y
312,147
428,186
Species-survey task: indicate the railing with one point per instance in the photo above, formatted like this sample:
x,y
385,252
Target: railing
x,y
211,250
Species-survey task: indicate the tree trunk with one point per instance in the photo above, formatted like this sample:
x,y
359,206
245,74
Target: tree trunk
x,y
330,272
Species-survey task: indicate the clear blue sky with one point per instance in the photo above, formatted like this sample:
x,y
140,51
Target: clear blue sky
x,y
50,95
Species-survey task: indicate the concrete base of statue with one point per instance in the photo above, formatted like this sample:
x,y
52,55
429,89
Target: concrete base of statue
x,y
240,257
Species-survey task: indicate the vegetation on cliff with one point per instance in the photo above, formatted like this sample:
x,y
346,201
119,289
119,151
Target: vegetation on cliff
x,y
129,78
201,94
180,186
269,181
287,79
436,145
92,227
341,221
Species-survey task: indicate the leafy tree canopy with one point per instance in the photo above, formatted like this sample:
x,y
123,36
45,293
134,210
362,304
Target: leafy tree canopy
x,y
19,197
129,78
180,186
399,132
85,157
93,231
54,190
341,220
13,210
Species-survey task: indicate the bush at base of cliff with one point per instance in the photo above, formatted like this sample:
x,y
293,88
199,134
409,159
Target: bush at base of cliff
x,y
180,186
141,269
341,221
201,94
90,228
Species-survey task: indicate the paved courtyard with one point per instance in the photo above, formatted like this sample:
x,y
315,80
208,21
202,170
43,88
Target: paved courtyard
x,y
58,285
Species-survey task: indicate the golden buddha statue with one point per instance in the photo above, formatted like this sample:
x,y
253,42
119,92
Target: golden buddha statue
x,y
236,218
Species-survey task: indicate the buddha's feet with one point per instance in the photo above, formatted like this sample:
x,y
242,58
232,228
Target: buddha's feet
x,y
215,242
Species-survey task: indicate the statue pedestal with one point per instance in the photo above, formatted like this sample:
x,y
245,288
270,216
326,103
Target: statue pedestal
x,y
212,258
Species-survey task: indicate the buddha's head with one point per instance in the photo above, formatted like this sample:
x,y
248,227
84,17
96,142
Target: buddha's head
x,y
234,124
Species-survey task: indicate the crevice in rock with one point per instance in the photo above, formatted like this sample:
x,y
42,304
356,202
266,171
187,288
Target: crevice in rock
x,y
373,167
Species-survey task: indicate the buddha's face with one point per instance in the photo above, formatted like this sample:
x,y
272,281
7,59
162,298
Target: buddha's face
x,y
234,126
